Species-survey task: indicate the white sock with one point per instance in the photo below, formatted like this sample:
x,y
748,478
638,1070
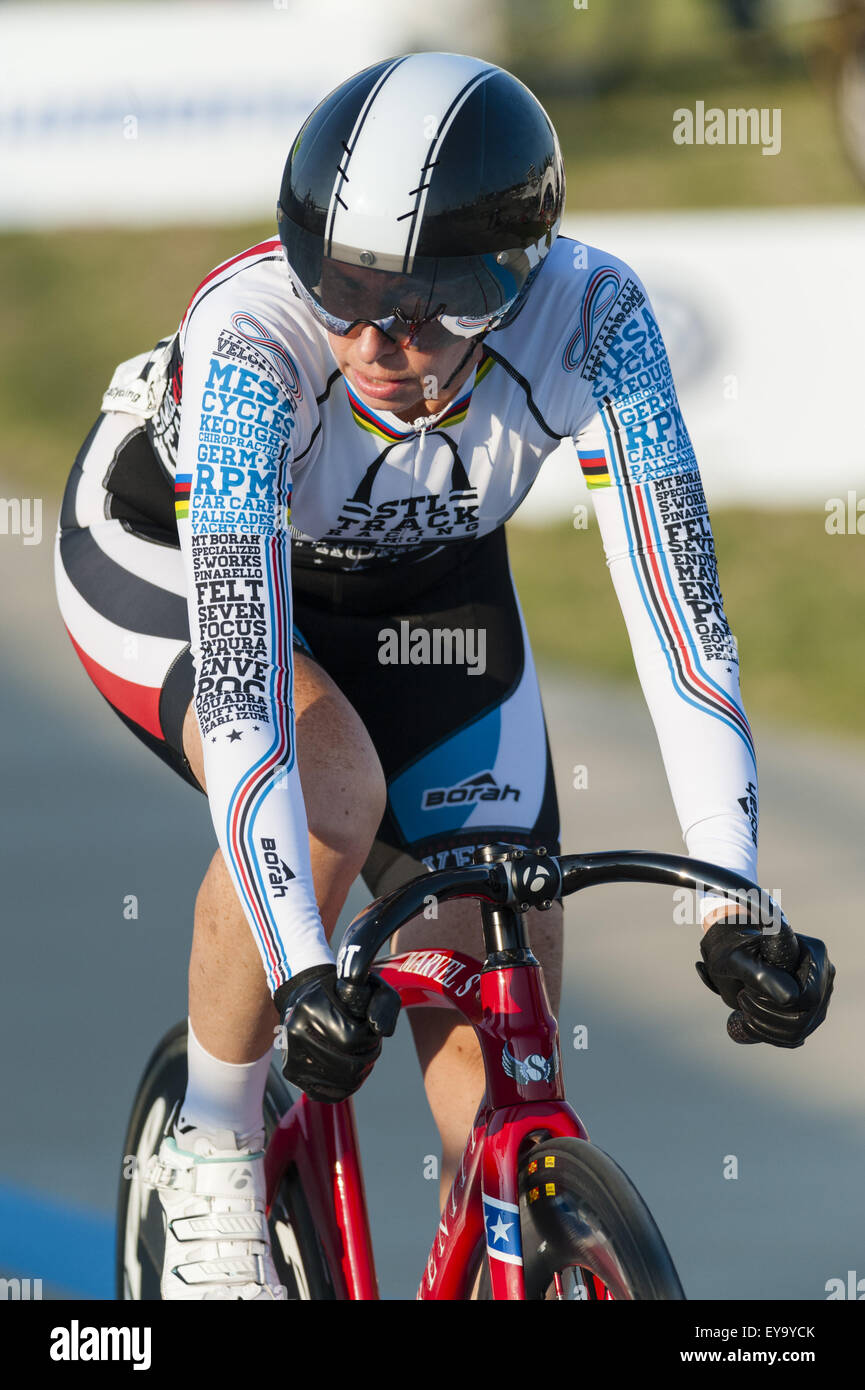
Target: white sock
x,y
222,1095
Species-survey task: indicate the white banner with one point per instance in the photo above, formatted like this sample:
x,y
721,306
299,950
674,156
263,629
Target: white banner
x,y
182,112
161,113
765,359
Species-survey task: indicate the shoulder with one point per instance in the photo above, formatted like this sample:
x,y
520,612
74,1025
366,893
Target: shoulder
x,y
580,299
583,301
245,312
231,278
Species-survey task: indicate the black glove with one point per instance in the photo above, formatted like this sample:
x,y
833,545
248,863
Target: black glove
x,y
329,1050
773,1005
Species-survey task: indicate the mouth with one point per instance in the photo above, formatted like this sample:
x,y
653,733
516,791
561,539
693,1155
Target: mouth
x,y
383,387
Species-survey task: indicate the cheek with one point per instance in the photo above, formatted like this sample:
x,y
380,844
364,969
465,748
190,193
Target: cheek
x,y
340,347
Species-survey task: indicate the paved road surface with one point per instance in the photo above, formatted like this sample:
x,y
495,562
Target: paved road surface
x,y
90,818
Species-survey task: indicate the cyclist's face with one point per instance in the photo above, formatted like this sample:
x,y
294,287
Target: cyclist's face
x,y
394,377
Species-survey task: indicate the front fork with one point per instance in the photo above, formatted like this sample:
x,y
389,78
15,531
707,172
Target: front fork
x,y
482,1208
505,1141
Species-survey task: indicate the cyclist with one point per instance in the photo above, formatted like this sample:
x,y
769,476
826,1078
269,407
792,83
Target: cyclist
x,y
281,558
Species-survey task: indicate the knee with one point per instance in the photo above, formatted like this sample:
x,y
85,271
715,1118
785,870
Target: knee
x,y
345,793
344,788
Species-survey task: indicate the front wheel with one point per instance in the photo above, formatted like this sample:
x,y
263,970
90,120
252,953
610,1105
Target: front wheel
x,y
586,1232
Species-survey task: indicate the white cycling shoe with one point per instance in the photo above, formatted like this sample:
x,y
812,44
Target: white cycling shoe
x,y
217,1244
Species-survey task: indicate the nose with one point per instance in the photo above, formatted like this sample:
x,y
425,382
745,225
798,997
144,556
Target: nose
x,y
372,344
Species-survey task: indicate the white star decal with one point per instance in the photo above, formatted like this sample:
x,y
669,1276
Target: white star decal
x,y
500,1230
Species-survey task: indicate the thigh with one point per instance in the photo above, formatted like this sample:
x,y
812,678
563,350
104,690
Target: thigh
x,y
341,777
122,592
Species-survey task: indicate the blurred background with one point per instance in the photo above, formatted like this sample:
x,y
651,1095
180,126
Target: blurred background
x,y
143,143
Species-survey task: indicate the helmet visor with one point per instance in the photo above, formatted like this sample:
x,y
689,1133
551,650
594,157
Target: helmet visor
x,y
462,295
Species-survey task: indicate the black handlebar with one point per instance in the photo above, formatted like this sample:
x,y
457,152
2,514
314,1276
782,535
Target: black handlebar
x,y
522,878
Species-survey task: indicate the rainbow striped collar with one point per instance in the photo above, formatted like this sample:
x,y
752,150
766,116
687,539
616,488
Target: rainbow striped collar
x,y
388,426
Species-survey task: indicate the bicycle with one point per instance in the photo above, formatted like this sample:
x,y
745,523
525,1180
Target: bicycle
x,y
536,1211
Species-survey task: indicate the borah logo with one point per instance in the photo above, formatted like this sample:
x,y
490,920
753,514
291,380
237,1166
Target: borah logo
x,y
748,802
278,872
482,787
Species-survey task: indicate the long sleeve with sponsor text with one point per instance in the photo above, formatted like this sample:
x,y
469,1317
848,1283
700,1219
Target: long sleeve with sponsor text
x,y
639,463
243,409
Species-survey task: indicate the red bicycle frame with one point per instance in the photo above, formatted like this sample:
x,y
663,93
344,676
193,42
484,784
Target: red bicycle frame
x,y
524,1100
506,1003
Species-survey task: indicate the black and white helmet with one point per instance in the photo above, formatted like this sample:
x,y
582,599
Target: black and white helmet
x,y
427,189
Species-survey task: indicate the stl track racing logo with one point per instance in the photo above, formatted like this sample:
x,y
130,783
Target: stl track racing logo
x,y
534,1068
482,787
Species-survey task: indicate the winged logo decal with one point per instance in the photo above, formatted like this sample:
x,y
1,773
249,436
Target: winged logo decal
x,y
534,1068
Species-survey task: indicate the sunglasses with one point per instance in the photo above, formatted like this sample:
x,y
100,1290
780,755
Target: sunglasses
x,y
407,325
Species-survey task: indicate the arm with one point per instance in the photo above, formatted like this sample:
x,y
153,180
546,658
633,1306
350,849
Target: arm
x,y
638,460
635,452
238,433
